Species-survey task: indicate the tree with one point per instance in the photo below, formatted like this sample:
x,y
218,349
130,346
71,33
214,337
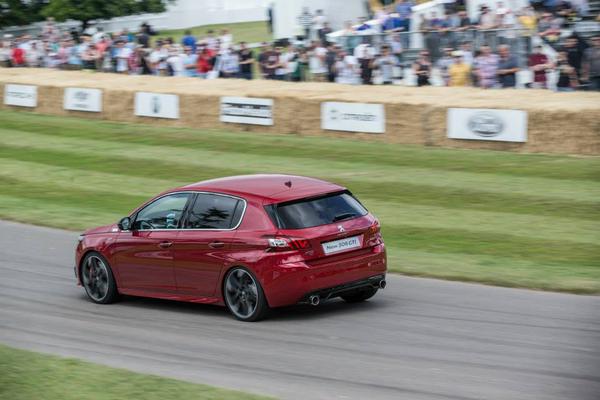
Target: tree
x,y
87,10
20,12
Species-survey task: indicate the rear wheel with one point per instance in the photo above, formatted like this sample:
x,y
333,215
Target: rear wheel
x,y
98,280
244,296
360,295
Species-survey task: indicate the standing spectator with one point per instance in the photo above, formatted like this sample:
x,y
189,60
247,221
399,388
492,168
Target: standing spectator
x,y
396,46
306,20
487,68
567,77
318,67
347,69
211,40
318,24
574,52
175,62
330,60
467,53
226,39
17,56
229,64
262,59
324,32
365,53
190,61
591,64
270,62
459,71
189,40
90,57
122,54
422,69
444,64
404,11
507,67
539,64
386,64
34,56
549,28
246,61
5,54
205,60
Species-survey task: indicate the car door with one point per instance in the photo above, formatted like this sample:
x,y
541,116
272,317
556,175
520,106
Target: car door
x,y
144,255
203,247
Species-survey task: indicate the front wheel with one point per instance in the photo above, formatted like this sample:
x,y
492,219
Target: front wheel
x,y
98,280
359,296
244,296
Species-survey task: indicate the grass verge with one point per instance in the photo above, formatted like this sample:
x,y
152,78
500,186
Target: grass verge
x,y
250,32
26,375
524,220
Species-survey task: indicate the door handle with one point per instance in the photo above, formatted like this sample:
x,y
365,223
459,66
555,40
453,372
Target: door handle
x,y
216,245
165,245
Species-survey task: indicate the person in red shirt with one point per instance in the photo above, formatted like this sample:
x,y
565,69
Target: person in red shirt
x,y
17,56
539,64
205,60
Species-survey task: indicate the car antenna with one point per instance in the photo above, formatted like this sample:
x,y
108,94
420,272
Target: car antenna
x,y
288,184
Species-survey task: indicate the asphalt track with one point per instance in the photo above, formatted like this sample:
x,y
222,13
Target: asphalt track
x,y
418,339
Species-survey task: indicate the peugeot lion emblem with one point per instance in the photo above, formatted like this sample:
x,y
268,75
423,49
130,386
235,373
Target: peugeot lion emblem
x,y
486,124
341,229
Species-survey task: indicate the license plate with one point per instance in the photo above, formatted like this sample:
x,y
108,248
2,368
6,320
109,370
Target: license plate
x,y
337,246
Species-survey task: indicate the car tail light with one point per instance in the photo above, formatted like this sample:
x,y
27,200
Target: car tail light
x,y
282,243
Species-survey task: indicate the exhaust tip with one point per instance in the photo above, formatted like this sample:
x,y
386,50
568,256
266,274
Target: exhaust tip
x,y
314,300
382,284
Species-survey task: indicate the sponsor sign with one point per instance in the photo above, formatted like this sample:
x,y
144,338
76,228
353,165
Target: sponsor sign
x,y
247,110
157,105
487,124
353,117
336,246
20,95
83,99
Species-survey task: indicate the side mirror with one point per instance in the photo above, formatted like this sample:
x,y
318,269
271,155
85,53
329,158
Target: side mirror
x,y
124,224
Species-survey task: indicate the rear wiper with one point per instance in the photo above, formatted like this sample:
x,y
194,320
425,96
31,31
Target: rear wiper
x,y
343,216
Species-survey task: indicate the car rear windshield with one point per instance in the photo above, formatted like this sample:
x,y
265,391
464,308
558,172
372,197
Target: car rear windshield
x,y
316,211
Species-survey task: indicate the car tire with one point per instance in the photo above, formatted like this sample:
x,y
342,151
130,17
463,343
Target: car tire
x,y
243,295
97,279
358,296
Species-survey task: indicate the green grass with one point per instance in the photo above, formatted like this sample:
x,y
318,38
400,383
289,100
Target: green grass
x,y
493,217
25,375
251,32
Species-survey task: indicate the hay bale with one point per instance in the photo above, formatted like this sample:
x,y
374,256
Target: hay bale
x,y
558,122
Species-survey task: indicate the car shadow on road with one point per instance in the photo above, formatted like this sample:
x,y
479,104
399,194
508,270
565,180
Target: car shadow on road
x,y
327,309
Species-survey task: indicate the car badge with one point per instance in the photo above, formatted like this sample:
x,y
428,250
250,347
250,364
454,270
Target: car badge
x,y
341,228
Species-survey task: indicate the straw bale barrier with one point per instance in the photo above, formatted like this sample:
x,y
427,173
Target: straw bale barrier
x,y
567,123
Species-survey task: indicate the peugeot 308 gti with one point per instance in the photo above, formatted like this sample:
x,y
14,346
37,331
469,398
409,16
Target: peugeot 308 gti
x,y
247,242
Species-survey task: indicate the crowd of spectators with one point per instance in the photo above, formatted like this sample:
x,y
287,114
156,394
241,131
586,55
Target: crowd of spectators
x,y
449,50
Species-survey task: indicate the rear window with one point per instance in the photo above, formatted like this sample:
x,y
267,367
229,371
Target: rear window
x,y
317,211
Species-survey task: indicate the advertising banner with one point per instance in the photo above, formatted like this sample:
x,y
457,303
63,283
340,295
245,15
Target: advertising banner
x,y
83,99
353,117
157,105
20,95
487,124
247,110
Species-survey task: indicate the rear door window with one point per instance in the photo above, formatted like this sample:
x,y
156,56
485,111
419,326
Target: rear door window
x,y
311,212
213,211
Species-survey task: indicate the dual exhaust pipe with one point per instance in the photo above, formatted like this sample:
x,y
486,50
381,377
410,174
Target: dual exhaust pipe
x,y
315,299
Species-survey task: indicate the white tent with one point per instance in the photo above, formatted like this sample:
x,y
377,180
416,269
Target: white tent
x,y
286,13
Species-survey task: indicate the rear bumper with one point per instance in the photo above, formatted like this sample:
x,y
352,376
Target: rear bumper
x,y
336,291
291,283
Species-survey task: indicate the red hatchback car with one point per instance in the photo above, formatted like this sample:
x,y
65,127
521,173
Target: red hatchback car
x,y
248,242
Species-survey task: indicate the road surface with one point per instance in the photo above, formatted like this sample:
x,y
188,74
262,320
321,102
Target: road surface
x,y
418,339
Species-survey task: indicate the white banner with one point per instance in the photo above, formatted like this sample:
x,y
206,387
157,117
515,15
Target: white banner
x,y
247,110
353,117
83,99
20,95
487,124
157,105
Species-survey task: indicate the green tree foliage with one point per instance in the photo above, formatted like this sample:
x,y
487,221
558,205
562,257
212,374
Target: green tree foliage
x,y
20,12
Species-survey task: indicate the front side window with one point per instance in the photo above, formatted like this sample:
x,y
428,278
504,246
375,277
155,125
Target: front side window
x,y
211,211
164,213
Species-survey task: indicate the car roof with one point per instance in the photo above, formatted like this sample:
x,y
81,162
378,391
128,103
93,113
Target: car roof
x,y
267,188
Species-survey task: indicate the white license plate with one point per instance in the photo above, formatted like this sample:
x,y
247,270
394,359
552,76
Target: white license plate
x,y
348,243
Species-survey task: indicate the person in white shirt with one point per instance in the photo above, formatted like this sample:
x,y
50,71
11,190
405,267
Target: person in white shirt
x,y
386,64
175,61
226,39
319,21
123,53
229,63
317,66
347,69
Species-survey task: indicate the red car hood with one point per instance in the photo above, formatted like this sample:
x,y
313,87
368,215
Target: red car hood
x,y
102,229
